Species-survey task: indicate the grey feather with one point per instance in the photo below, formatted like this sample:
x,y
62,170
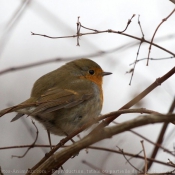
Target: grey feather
x,y
17,117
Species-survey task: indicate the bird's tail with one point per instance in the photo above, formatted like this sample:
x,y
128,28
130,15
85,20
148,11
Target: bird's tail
x,y
17,108
7,110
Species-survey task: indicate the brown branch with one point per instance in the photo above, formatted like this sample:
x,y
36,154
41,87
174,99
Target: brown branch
x,y
173,1
63,141
78,31
133,69
62,156
136,155
108,31
51,37
148,140
26,146
171,163
71,58
127,111
135,61
161,135
31,146
146,169
90,147
125,46
140,26
153,59
60,144
130,154
129,21
163,20
89,28
121,150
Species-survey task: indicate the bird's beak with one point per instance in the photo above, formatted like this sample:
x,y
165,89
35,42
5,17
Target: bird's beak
x,y
106,73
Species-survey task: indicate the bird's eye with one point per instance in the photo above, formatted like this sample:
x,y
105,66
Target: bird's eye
x,y
91,72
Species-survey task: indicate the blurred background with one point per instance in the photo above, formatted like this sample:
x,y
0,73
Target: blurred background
x,y
18,47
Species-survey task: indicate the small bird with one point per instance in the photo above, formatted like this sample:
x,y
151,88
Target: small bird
x,y
66,98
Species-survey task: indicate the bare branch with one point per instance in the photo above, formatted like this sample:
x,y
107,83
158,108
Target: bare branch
x,y
129,21
173,1
121,150
140,26
95,31
146,169
132,73
153,59
161,135
31,146
90,147
148,140
63,155
163,20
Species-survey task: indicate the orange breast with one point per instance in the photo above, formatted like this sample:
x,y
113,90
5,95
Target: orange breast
x,y
97,79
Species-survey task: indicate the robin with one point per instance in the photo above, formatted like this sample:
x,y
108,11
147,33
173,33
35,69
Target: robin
x,y
66,98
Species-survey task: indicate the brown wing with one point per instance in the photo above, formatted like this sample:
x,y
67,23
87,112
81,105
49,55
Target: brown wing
x,y
55,99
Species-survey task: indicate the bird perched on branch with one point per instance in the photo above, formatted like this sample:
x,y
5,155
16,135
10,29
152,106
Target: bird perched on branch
x,y
66,98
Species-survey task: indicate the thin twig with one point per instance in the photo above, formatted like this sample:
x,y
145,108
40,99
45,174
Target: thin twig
x,y
163,20
161,135
141,41
51,37
152,59
145,170
171,163
31,146
148,140
132,73
96,54
140,26
78,31
129,21
173,1
89,147
127,111
60,144
121,150
136,155
107,31
129,154
94,30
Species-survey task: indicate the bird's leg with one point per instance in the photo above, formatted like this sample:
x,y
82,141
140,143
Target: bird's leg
x,y
67,135
48,133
